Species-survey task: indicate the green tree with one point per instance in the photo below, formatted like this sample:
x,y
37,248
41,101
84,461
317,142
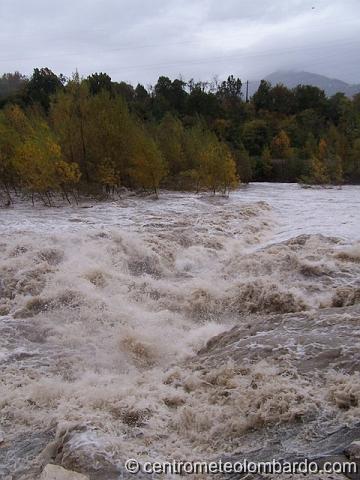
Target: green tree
x,y
309,97
217,166
317,173
70,116
169,96
36,159
99,82
67,176
193,141
11,84
331,150
95,131
148,167
281,99
169,134
262,97
243,164
256,135
267,166
352,171
230,89
280,146
41,86
110,136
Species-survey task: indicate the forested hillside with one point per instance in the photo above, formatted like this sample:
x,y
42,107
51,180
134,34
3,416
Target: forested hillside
x,y
95,135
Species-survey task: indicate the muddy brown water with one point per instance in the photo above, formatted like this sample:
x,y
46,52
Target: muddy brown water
x,y
191,327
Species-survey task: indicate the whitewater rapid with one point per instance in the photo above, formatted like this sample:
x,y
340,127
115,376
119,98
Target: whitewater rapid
x,y
329,211
104,307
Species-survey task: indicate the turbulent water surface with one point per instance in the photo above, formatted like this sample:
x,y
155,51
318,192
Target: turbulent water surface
x,y
107,310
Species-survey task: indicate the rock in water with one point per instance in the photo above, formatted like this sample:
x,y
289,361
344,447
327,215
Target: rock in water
x,y
353,451
54,472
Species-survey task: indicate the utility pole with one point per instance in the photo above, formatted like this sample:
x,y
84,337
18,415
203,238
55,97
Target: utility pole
x,y
247,91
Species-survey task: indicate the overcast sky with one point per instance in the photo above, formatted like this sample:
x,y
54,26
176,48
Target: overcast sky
x,y
138,40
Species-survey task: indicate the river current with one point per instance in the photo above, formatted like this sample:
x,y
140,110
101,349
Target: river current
x,y
107,308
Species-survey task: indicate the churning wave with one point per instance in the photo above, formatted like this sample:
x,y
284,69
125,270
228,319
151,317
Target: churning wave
x,y
182,328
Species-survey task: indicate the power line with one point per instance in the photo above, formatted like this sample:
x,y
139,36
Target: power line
x,y
237,56
229,57
129,47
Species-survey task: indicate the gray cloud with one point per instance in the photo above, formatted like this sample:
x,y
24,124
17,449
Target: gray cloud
x,y
138,40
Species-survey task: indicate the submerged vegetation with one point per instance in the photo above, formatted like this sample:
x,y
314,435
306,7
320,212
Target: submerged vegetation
x,y
95,135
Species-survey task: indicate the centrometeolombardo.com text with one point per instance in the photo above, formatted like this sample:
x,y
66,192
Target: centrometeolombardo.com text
x,y
215,467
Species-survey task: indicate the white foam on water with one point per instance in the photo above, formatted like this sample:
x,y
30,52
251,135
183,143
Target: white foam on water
x,y
106,306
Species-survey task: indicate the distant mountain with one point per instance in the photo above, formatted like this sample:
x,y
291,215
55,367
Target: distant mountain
x,y
292,79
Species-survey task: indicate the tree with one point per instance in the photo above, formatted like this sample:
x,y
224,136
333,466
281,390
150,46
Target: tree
x,y
217,166
281,153
99,82
243,164
309,97
317,172
267,166
338,107
334,151
352,171
310,146
229,93
125,90
335,169
110,135
256,135
281,99
95,131
325,166
70,116
169,96
194,139
147,167
189,133
307,122
142,102
67,176
35,161
15,128
169,135
9,139
41,86
280,146
108,175
262,97
11,84
230,89
201,102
